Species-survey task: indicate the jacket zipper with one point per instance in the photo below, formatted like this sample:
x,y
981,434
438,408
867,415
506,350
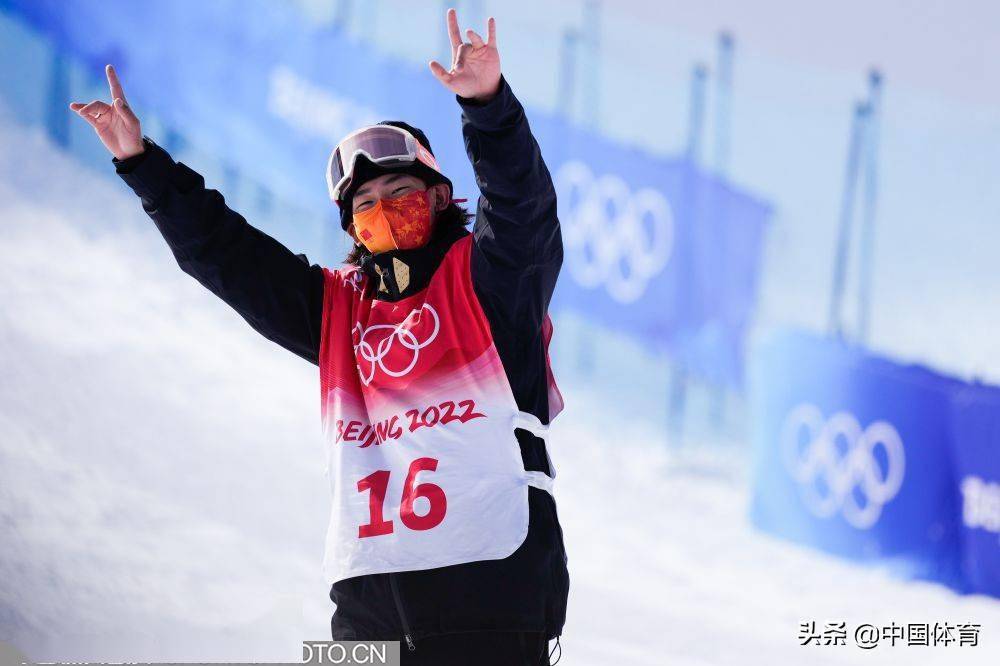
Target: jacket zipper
x,y
402,615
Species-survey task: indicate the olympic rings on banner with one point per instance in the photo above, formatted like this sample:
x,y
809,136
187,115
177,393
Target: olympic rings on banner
x,y
615,238
833,461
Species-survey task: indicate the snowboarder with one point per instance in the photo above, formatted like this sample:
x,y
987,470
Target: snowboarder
x,y
432,345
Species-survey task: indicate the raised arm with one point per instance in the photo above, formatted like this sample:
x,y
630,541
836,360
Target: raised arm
x,y
516,222
517,229
277,292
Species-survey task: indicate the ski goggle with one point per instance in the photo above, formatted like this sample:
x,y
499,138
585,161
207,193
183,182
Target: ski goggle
x,y
382,144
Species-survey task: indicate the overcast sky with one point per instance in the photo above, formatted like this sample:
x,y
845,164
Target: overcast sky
x,y
948,47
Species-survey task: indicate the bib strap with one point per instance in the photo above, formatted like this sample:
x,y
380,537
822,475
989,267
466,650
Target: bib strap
x,y
540,480
532,424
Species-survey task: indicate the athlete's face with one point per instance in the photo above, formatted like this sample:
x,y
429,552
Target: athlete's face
x,y
393,185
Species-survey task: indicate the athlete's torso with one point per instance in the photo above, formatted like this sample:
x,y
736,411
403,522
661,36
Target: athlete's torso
x,y
419,421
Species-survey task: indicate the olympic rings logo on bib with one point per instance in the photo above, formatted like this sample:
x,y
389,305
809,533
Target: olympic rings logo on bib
x,y
354,280
375,345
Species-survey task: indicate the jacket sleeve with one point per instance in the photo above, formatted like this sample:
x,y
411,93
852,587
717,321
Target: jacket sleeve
x,y
277,292
518,245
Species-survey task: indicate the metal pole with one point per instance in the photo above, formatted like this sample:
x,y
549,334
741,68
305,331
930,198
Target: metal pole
x,y
677,396
861,112
592,73
869,203
723,102
696,112
566,85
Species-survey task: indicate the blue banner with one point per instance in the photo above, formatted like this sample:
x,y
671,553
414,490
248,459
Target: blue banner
x,y
254,83
976,437
655,247
852,455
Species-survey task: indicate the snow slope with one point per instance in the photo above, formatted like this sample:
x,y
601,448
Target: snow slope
x,y
161,490
162,496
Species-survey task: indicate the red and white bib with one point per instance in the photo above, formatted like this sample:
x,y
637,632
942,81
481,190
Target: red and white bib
x,y
419,420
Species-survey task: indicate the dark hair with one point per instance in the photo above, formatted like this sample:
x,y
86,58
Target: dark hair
x,y
446,222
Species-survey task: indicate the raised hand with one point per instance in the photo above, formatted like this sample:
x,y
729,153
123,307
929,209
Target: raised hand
x,y
475,65
116,125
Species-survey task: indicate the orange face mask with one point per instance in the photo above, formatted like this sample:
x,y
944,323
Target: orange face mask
x,y
402,223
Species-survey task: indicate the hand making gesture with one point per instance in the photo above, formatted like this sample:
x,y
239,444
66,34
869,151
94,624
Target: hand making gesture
x,y
475,65
115,124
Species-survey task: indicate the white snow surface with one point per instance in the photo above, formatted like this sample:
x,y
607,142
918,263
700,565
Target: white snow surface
x,y
162,495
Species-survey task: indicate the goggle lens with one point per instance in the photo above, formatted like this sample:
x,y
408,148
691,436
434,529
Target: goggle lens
x,y
379,143
382,144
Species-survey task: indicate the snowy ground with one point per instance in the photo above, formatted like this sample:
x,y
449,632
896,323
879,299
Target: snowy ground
x,y
161,492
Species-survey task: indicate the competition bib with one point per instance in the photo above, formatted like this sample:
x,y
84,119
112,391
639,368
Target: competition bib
x,y
418,421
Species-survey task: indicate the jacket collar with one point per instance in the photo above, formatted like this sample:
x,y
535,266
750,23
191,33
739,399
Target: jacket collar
x,y
397,274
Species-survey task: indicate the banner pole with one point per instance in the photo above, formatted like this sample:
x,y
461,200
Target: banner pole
x,y
720,159
869,203
723,102
677,396
696,113
858,120
566,85
592,73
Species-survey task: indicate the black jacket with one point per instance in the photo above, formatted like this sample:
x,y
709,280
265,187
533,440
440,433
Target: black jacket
x,y
516,259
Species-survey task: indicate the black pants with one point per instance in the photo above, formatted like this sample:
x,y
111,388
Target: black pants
x,y
481,648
